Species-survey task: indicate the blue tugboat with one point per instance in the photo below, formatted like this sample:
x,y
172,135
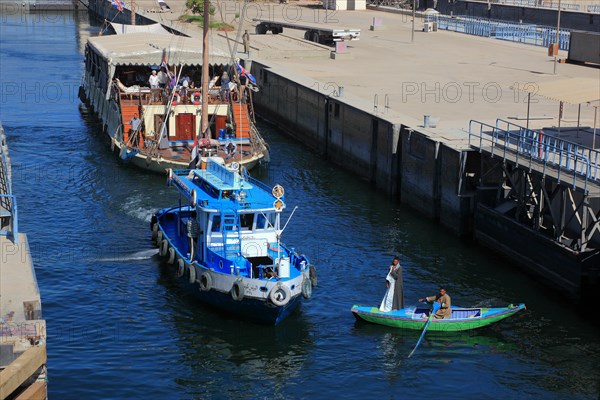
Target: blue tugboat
x,y
224,244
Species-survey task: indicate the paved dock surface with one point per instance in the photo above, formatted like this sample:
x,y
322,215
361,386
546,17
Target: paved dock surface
x,y
22,329
451,77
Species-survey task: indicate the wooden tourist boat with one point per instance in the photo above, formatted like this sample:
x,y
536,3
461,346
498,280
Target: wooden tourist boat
x,y
223,241
115,87
461,319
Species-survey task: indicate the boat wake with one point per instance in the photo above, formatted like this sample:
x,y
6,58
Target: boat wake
x,y
140,255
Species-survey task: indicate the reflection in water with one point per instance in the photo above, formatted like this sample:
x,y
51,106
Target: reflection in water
x,y
219,349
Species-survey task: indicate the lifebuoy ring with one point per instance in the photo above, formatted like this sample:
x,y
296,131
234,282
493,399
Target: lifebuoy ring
x,y
193,98
194,198
237,291
171,259
307,288
192,272
206,282
280,295
312,273
154,231
159,237
180,267
176,99
164,247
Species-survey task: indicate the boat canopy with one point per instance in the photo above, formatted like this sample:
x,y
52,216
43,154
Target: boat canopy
x,y
123,29
143,48
217,187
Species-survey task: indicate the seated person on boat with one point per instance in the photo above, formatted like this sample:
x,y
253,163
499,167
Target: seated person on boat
x,y
443,299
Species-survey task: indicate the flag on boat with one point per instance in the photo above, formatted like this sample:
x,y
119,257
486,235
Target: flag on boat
x,y
242,71
163,64
119,5
194,155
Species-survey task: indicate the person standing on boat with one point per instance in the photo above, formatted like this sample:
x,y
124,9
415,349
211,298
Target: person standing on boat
x,y
444,301
225,86
394,296
153,80
243,80
162,79
134,132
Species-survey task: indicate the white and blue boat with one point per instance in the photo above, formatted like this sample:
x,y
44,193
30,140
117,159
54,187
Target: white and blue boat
x,y
224,243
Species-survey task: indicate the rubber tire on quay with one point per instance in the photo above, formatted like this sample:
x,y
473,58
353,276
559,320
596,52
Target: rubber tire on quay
x,y
276,293
237,291
180,268
164,248
307,288
206,282
192,273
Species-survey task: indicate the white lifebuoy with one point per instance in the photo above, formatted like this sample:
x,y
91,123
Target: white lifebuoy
x,y
171,259
193,98
180,267
159,237
154,231
307,288
194,198
237,290
164,247
192,272
280,295
206,282
176,99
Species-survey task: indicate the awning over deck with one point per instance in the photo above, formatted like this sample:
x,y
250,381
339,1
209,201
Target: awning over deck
x,y
144,48
123,29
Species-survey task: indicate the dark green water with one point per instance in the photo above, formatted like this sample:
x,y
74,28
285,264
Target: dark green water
x,y
119,328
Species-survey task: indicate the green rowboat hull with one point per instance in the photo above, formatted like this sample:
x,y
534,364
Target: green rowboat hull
x,y
462,318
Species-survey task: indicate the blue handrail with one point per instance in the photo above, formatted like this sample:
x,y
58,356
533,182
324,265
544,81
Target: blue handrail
x,y
537,35
592,155
528,147
12,214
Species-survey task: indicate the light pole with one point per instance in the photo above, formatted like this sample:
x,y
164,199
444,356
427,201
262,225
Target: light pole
x,y
412,34
555,49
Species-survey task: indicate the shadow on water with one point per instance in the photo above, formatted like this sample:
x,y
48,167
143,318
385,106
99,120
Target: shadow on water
x,y
231,357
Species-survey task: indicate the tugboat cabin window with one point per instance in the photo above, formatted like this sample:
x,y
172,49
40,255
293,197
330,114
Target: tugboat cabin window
x,y
246,220
215,223
265,221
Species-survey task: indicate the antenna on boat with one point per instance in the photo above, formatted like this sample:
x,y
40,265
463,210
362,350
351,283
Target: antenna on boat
x,y
288,220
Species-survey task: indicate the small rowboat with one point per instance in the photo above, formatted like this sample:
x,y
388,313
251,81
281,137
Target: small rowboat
x,y
461,319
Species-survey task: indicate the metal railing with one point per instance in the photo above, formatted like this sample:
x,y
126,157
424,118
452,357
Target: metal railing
x,y
591,6
12,215
552,142
531,150
536,35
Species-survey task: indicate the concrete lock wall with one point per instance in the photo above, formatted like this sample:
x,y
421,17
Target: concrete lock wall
x,y
420,171
402,162
533,252
355,139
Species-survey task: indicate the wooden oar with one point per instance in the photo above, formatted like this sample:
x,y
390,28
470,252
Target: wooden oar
x,y
422,334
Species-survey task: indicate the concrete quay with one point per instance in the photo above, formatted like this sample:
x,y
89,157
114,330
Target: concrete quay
x,y
22,329
395,109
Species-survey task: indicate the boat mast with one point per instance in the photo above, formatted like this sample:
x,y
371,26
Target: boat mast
x,y
204,115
